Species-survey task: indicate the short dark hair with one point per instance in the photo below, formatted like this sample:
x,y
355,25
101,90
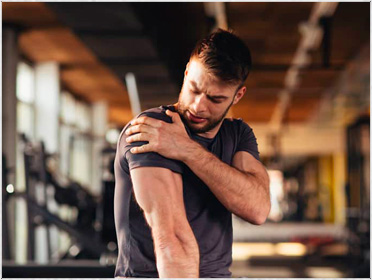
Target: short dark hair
x,y
225,55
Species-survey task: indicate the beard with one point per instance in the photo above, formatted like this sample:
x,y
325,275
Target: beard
x,y
211,123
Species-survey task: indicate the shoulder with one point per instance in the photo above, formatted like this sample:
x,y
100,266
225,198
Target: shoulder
x,y
243,135
156,113
237,126
149,159
246,140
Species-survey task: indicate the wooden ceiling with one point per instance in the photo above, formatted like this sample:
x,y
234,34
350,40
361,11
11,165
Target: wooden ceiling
x,y
98,43
44,38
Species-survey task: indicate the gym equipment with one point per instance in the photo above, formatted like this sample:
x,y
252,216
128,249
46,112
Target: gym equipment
x,y
358,196
84,232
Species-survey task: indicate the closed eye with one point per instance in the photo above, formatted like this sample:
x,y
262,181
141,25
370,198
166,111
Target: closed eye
x,y
217,100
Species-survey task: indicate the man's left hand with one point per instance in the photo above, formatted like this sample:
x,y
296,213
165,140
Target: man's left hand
x,y
167,139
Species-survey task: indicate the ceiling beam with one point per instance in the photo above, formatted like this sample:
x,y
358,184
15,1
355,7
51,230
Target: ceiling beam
x,y
312,34
217,11
131,84
148,81
105,32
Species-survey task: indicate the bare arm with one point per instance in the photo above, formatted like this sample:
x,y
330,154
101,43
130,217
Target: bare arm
x,y
159,193
243,188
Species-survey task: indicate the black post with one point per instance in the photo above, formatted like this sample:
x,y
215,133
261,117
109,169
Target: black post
x,y
44,179
5,228
30,215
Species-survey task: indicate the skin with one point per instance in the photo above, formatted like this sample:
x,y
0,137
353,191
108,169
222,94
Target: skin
x,y
204,101
176,249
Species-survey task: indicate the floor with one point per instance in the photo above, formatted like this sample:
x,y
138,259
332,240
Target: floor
x,y
289,267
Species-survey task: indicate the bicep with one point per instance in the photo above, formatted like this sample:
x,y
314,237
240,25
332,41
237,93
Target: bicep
x,y
158,191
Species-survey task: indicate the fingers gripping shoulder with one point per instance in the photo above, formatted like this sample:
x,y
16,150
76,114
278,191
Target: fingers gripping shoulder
x,y
152,114
148,159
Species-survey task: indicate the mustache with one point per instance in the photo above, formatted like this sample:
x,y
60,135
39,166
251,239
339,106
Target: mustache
x,y
196,115
182,111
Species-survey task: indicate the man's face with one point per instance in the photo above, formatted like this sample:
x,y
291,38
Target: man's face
x,y
204,101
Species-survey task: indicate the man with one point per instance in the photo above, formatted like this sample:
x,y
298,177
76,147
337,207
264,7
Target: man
x,y
182,170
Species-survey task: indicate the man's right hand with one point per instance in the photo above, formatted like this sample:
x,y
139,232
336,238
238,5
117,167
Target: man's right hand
x,y
158,192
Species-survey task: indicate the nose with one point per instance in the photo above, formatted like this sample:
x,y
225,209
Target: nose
x,y
199,104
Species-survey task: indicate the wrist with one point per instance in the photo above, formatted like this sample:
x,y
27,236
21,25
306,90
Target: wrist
x,y
191,152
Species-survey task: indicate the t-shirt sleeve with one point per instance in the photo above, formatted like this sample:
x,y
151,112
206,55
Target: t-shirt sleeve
x,y
149,159
247,141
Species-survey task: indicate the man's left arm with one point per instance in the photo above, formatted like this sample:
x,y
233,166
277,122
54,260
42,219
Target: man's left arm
x,y
242,188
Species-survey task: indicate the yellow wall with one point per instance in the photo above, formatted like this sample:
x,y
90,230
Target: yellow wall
x,y
339,191
325,188
332,180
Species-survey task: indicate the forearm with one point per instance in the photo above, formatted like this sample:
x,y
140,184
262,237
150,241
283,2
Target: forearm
x,y
177,256
159,192
242,193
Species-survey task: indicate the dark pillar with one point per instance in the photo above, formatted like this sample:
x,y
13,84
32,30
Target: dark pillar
x,y
9,110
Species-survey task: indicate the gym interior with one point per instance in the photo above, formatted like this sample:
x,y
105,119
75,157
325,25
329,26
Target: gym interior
x,y
74,74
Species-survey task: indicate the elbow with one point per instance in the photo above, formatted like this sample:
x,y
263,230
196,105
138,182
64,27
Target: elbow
x,y
259,220
264,210
256,219
257,212
259,216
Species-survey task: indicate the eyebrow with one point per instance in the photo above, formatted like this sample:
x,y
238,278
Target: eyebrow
x,y
194,85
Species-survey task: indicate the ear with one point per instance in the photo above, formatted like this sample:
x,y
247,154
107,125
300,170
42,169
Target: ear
x,y
187,68
239,94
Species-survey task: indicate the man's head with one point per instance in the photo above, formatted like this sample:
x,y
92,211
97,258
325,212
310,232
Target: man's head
x,y
214,80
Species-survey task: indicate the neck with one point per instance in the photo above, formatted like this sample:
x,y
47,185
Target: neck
x,y
211,133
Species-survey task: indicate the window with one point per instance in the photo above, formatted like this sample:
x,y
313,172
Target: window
x,y
25,90
75,139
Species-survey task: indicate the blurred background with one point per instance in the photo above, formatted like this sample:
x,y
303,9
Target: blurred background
x,y
73,75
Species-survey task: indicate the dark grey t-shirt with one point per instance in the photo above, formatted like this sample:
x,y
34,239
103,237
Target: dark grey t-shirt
x,y
210,221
